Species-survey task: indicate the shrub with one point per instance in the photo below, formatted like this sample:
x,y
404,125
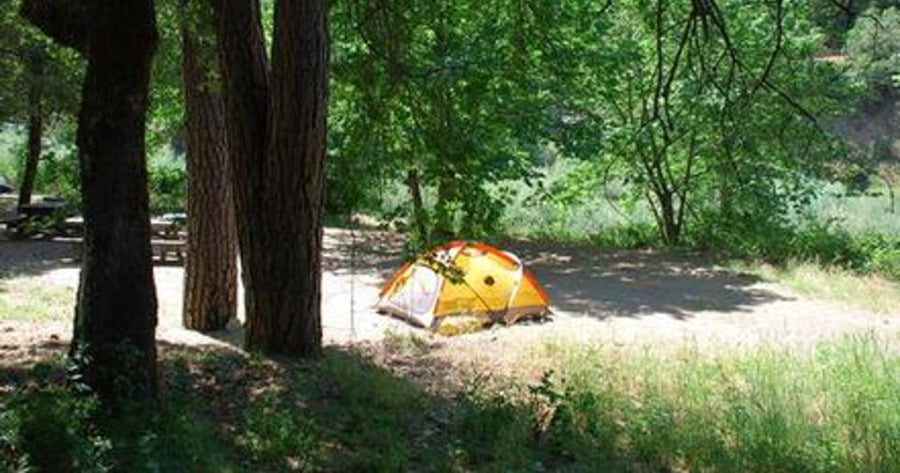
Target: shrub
x,y
638,235
168,187
49,429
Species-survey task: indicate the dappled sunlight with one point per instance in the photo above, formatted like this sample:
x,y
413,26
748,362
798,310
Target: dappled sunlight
x,y
34,257
617,296
591,282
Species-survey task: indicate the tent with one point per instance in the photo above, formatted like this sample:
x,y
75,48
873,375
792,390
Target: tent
x,y
462,287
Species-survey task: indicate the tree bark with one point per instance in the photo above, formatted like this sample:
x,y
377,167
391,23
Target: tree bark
x,y
245,77
415,193
115,317
295,172
444,227
35,128
276,136
210,283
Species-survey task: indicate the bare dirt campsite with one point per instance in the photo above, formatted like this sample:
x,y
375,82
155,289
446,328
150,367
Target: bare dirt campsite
x,y
619,297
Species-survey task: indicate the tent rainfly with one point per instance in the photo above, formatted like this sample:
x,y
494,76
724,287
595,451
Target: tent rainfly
x,y
461,287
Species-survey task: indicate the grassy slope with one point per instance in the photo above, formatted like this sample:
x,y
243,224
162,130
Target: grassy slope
x,y
871,293
601,408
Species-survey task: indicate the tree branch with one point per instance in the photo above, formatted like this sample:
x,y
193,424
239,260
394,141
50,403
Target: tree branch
x,y
65,21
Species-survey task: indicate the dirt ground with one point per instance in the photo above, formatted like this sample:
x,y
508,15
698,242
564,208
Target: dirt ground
x,y
624,298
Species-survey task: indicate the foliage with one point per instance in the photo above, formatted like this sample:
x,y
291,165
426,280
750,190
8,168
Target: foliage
x,y
50,429
435,95
30,60
874,46
273,434
599,408
168,185
703,114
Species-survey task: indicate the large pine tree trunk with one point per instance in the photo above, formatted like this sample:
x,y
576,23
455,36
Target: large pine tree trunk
x,y
278,161
296,171
115,317
113,344
246,89
115,320
210,284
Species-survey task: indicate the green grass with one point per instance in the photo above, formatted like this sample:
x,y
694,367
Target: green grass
x,y
835,409
602,408
30,300
9,142
859,214
871,293
591,213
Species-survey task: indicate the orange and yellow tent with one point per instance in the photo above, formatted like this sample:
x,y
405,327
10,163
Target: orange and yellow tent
x,y
460,287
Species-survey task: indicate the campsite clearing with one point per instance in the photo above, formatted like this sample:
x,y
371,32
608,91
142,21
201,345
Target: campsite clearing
x,y
621,298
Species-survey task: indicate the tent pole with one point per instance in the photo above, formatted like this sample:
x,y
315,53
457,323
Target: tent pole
x,y
352,276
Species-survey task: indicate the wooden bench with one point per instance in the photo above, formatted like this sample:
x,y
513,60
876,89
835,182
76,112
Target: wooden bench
x,y
14,222
73,244
160,248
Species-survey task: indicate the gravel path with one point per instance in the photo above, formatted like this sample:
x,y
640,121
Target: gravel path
x,y
622,298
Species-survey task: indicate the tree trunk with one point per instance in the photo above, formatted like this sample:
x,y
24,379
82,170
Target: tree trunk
x,y
668,217
444,228
210,282
113,345
295,171
278,158
35,127
889,183
115,317
245,87
893,207
415,192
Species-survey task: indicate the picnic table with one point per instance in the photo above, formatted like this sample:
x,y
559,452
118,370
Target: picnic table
x,y
168,236
164,227
32,212
44,208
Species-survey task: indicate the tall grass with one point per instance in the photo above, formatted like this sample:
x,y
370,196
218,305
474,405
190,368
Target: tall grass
x,y
574,213
871,293
859,213
603,408
834,409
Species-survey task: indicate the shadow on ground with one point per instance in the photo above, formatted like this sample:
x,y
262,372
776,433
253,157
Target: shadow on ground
x,y
362,251
34,257
594,282
581,280
359,409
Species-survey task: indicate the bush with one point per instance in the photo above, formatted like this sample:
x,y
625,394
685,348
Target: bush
x,y
49,429
638,235
882,254
168,187
811,240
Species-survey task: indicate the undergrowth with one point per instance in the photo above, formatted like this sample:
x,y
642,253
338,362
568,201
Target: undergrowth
x,y
600,408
